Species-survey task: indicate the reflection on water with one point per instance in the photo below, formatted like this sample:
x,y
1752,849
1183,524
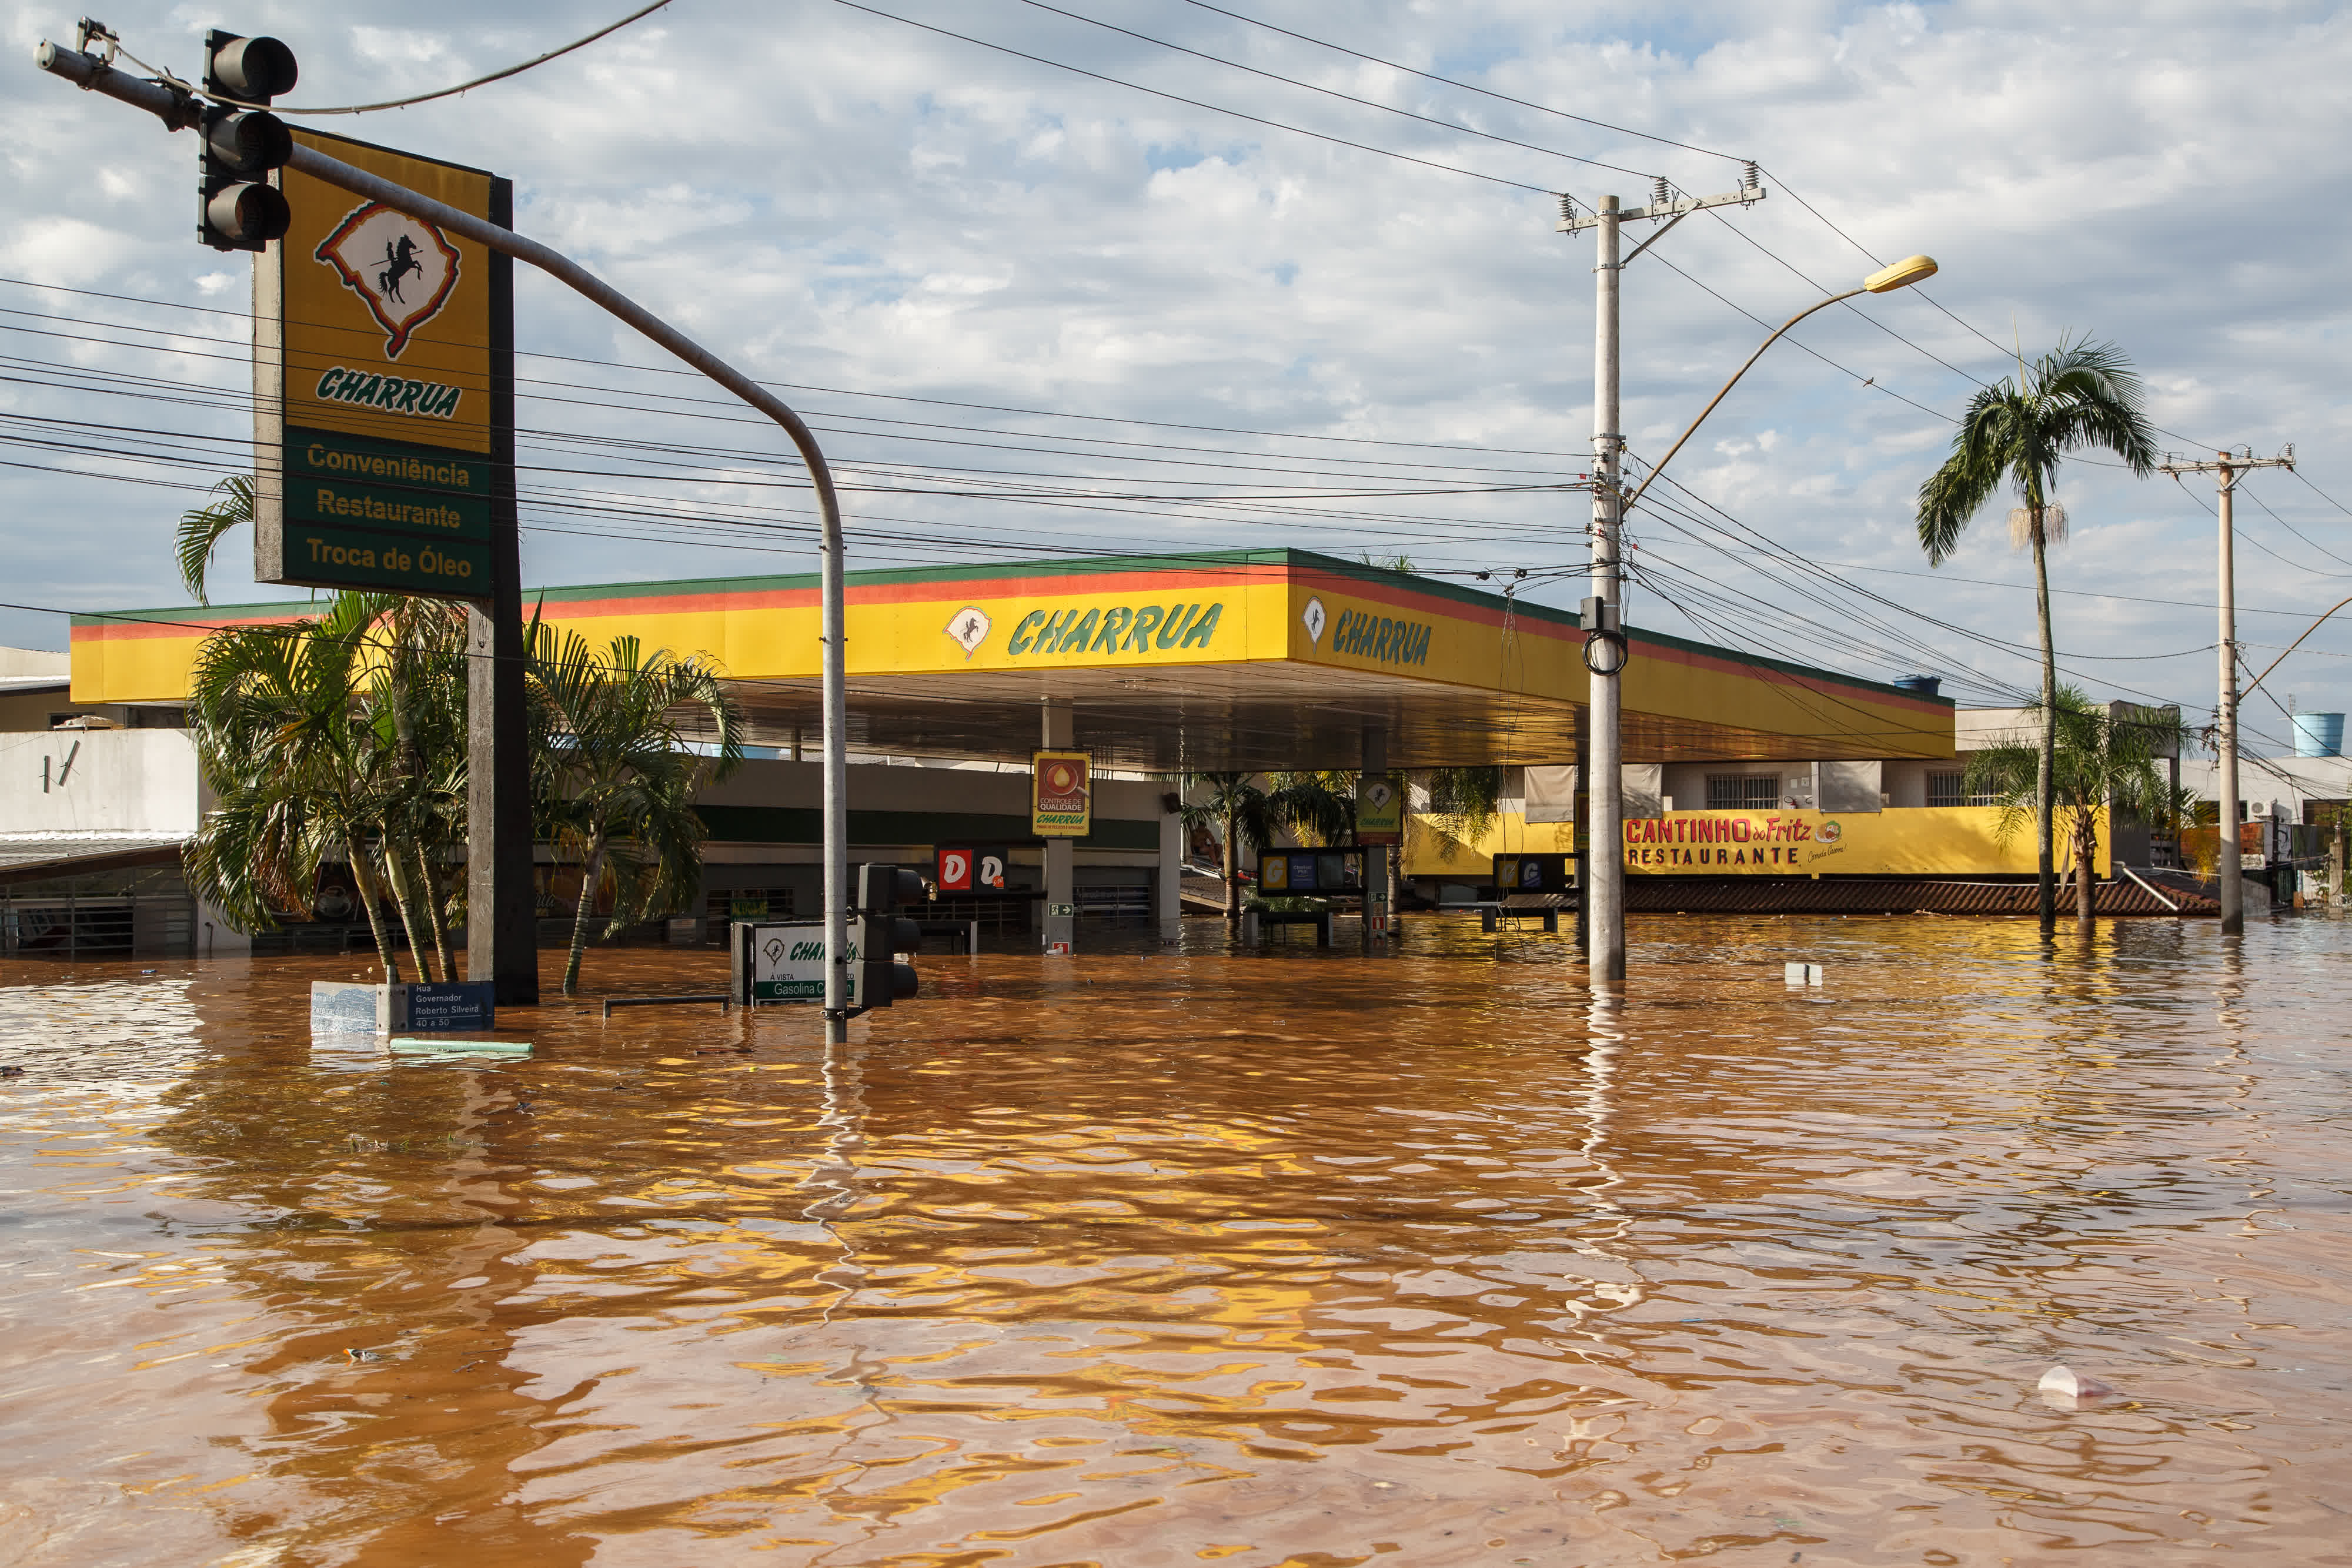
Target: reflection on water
x,y
1302,1259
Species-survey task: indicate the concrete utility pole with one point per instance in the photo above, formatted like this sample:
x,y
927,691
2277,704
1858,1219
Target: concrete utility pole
x,y
2230,468
172,107
1600,874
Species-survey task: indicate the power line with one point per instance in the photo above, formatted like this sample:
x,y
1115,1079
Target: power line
x,y
1194,102
2014,650
1333,92
1625,130
583,43
1395,485
1997,346
2322,494
1551,152
894,397
2028,588
107,443
1466,86
1849,306
2256,498
1871,382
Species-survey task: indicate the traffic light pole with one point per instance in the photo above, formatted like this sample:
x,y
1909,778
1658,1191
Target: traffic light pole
x,y
94,74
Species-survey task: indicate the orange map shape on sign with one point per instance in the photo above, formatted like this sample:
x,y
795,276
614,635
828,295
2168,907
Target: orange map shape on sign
x,y
403,267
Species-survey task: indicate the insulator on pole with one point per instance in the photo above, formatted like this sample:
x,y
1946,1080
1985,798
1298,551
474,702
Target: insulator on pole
x,y
1660,192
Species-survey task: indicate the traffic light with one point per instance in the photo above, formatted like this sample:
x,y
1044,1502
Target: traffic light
x,y
881,934
236,206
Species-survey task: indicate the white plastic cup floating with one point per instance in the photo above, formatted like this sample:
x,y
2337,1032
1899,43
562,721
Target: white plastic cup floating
x,y
2063,1387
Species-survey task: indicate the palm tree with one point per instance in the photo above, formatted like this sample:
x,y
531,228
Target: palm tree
x,y
625,779
1317,804
2081,395
1465,800
338,738
285,740
416,701
2096,762
1236,803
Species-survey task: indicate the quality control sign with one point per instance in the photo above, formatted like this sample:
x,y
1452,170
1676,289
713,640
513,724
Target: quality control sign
x,y
1061,794
377,338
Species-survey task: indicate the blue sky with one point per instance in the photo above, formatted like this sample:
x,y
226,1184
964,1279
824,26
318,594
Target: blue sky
x,y
842,201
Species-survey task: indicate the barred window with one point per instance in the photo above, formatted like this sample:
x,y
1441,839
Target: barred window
x,y
1743,791
1952,789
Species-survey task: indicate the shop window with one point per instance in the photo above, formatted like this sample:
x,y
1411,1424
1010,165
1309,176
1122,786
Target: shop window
x,y
1743,791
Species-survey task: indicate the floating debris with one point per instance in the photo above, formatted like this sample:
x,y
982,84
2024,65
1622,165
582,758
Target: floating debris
x,y
2065,1387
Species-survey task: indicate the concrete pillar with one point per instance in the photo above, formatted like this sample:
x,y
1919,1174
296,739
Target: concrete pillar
x,y
1168,891
502,900
1061,891
1376,856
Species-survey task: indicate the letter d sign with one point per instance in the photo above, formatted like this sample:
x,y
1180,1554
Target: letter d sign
x,y
955,871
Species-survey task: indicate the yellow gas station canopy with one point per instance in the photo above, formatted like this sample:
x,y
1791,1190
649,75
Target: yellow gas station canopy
x,y
1213,660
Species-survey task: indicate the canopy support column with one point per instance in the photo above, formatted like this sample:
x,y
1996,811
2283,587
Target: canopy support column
x,y
1061,891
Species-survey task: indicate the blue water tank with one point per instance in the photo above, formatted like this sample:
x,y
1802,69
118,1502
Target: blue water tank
x,y
2319,735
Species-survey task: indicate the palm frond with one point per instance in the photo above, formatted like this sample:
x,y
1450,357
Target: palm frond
x,y
200,529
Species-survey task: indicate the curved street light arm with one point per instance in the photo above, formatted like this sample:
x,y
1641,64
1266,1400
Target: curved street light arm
x,y
1659,466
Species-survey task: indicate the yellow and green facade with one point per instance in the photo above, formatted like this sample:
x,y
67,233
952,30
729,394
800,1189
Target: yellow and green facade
x,y
1209,660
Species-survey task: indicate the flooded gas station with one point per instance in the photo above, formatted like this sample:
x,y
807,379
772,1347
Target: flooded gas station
x,y
1137,1238
1179,1255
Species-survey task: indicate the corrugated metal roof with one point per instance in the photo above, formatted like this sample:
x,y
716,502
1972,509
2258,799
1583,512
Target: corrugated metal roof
x,y
1902,895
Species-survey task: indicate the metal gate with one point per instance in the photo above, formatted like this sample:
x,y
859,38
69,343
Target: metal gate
x,y
120,926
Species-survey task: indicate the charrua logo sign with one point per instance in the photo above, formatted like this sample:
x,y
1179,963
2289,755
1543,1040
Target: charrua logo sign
x,y
1115,629
376,351
1380,638
404,269
391,395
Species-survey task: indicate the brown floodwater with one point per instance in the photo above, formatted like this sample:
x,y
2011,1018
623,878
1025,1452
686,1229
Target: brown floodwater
x,y
1173,1257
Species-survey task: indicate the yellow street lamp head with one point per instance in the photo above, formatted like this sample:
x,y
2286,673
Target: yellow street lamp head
x,y
1911,269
